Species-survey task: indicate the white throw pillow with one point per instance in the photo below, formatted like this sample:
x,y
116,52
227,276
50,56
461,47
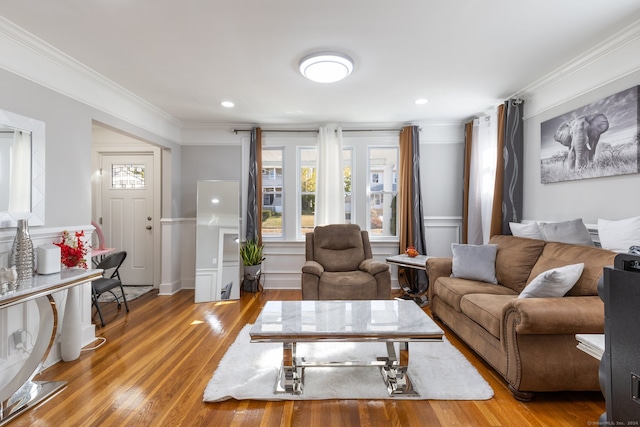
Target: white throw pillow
x,y
474,262
530,230
619,236
553,283
573,231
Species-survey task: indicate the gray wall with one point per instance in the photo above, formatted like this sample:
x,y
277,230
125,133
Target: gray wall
x,y
441,169
202,162
67,147
607,197
68,129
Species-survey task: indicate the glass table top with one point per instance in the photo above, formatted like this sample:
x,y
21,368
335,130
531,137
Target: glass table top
x,y
376,320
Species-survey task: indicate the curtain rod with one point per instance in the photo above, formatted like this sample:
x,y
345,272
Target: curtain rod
x,y
316,130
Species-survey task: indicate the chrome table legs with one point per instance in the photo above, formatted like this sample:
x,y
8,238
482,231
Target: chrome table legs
x,y
393,369
291,374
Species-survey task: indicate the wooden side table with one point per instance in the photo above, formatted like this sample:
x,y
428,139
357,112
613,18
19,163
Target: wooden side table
x,y
418,263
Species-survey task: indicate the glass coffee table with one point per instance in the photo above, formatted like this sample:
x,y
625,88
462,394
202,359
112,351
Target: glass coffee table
x,y
394,322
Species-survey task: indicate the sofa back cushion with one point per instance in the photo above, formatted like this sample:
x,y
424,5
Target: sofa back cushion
x,y
560,254
338,247
515,259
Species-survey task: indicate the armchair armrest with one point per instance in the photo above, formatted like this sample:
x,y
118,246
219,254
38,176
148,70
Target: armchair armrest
x,y
373,267
313,267
553,316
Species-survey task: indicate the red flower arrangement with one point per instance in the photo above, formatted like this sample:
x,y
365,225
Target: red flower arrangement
x,y
72,251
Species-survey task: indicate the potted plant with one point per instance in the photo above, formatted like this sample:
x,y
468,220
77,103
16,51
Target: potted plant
x,y
251,253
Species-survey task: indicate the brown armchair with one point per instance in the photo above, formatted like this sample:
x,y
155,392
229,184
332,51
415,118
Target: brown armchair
x,y
339,266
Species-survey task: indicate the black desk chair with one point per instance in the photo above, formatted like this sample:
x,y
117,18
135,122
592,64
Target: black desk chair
x,y
107,284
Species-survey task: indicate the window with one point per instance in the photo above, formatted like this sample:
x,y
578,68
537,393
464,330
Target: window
x,y
127,176
308,171
347,168
272,185
383,170
370,183
307,161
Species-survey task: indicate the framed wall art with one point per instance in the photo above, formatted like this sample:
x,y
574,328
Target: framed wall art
x,y
596,140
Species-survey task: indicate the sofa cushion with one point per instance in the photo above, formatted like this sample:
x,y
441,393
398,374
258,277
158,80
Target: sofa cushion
x,y
560,254
451,290
474,262
573,231
485,310
338,247
347,285
553,283
515,258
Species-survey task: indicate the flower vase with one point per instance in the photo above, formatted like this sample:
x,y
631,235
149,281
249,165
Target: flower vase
x,y
22,255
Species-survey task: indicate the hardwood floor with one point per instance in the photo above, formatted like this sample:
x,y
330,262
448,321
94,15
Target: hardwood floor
x,y
158,359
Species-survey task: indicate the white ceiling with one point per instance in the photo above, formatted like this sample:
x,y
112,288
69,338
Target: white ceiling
x,y
185,57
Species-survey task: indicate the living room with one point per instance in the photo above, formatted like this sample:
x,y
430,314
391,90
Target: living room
x,y
84,112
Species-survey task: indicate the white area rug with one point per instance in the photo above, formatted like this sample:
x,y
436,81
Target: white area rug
x,y
131,292
249,370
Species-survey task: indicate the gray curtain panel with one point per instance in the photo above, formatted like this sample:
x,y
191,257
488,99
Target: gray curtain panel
x,y
418,217
513,164
252,193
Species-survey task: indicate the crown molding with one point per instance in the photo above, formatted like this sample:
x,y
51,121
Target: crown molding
x,y
33,59
601,50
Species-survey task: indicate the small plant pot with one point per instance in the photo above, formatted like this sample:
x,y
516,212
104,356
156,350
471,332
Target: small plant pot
x,y
251,278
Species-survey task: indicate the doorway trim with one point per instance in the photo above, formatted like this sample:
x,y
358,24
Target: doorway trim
x,y
138,147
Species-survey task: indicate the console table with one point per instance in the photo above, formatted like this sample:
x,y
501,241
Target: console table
x,y
21,392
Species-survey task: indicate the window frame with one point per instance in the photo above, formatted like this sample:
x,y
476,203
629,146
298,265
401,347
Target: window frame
x,y
370,193
299,192
358,143
283,195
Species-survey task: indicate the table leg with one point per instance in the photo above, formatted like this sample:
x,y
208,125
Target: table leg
x,y
408,281
21,393
290,378
394,372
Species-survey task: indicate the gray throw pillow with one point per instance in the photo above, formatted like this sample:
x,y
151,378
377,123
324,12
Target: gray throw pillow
x,y
553,283
474,262
573,231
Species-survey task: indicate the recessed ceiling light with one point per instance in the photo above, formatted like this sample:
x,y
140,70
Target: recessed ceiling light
x,y
215,200
326,67
421,101
227,104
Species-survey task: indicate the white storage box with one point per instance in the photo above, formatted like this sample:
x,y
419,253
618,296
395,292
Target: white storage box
x,y
48,259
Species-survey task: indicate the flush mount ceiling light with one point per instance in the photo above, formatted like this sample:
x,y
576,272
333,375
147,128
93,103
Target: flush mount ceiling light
x,y
227,104
326,67
421,101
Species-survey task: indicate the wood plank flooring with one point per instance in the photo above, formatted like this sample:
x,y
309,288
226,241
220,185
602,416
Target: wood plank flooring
x,y
158,359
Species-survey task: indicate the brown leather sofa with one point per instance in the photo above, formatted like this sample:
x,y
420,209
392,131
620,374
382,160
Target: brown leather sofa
x,y
339,266
529,341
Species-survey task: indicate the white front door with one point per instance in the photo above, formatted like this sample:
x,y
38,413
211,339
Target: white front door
x,y
127,213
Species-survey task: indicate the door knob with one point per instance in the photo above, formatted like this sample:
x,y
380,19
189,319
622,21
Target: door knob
x,y
148,227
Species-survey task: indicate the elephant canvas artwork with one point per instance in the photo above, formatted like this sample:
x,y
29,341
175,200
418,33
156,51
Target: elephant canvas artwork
x,y
596,140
